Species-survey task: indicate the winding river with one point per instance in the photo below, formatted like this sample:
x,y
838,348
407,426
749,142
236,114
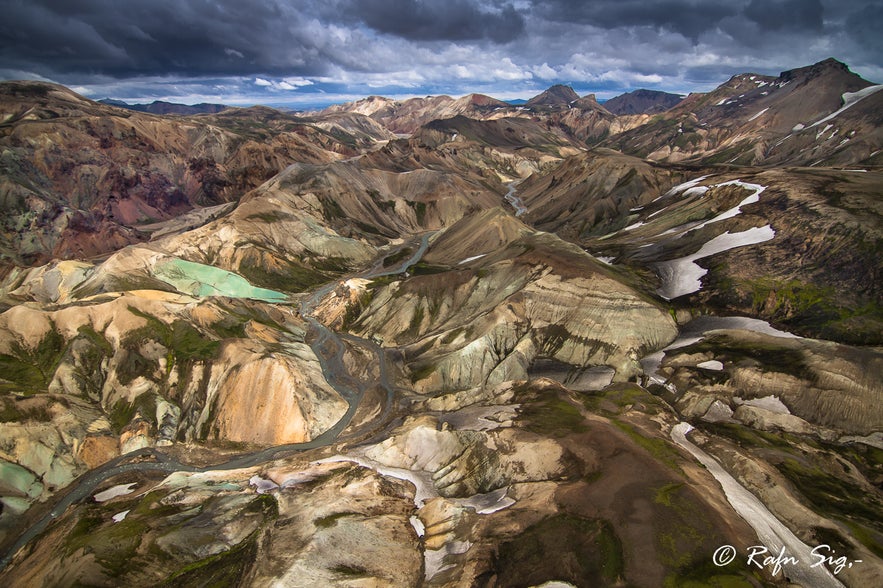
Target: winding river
x,y
329,349
516,202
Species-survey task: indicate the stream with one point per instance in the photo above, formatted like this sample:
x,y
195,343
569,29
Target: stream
x,y
516,202
329,349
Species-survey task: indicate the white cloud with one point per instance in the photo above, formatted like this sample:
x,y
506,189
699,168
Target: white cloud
x,y
262,82
544,72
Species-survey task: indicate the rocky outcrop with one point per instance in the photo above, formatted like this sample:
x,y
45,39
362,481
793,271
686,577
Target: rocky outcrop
x,y
810,387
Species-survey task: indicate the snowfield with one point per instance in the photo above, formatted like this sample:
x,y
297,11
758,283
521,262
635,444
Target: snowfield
x,y
850,99
683,276
757,189
770,530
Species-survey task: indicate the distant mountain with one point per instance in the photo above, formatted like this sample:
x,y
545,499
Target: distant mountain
x,y
160,107
822,113
642,102
556,96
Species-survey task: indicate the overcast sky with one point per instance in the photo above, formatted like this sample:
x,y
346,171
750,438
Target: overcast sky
x,y
306,52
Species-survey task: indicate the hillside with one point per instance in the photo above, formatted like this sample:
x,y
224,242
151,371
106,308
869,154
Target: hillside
x,y
444,342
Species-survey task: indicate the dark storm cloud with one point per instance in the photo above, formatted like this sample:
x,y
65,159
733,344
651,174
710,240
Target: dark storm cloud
x,y
798,15
255,49
866,28
431,20
225,37
687,17
157,37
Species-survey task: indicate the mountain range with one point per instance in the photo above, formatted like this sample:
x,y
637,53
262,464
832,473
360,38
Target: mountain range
x,y
444,342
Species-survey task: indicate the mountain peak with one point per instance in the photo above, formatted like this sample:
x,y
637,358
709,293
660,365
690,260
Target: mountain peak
x,y
557,95
481,100
827,67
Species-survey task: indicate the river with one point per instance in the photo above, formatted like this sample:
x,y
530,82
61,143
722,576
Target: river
x,y
329,349
516,202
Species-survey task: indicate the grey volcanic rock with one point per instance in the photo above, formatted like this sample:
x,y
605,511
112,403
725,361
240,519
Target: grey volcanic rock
x,y
526,295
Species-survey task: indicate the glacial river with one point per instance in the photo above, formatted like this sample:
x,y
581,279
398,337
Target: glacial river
x,y
329,349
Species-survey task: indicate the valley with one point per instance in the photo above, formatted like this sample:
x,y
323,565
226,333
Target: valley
x,y
444,342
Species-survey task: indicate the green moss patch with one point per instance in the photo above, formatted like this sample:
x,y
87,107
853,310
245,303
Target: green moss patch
x,y
658,448
618,397
838,497
552,416
28,371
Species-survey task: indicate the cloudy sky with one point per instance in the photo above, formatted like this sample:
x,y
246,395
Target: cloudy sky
x,y
309,52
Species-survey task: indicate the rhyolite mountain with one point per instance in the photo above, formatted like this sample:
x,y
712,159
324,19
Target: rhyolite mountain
x,y
81,179
443,342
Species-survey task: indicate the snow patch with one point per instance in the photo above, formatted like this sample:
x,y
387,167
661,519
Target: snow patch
x,y
422,481
850,99
418,525
683,276
120,516
473,258
695,191
110,493
758,114
713,364
262,485
823,131
488,503
769,529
